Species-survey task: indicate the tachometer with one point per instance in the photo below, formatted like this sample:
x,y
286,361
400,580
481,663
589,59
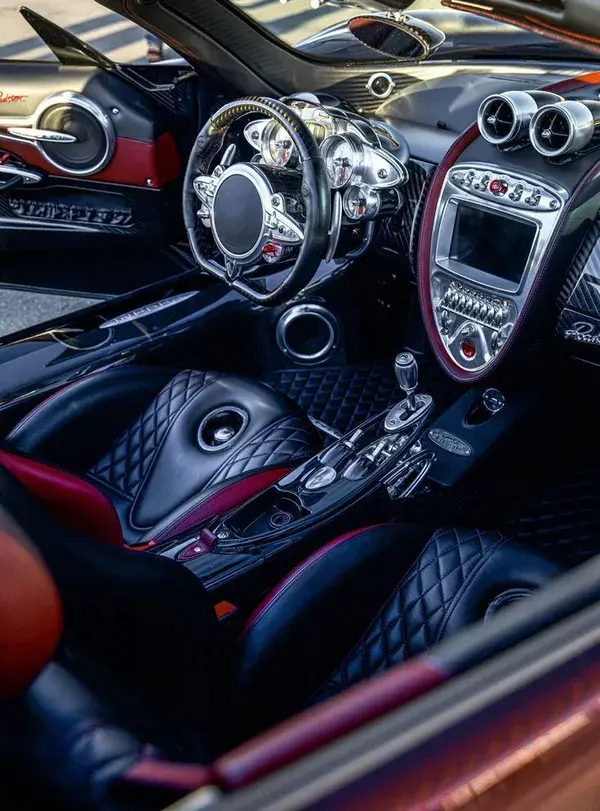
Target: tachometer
x,y
343,157
278,146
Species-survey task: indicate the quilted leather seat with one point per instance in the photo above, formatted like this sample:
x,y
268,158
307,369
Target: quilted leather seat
x,y
148,440
363,603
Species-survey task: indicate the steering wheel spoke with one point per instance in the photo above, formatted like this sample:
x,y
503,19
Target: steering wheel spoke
x,y
204,188
281,226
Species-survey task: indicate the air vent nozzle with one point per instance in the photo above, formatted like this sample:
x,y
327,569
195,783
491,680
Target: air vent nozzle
x,y
564,128
504,118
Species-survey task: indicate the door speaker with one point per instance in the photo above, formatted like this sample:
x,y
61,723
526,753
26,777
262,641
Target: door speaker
x,y
82,118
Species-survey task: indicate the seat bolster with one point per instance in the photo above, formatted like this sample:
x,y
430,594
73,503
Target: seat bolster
x,y
74,502
306,625
75,425
457,577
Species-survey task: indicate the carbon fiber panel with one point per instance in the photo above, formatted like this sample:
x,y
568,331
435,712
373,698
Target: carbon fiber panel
x,y
579,300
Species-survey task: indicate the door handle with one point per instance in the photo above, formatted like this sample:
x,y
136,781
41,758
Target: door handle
x,y
16,174
41,136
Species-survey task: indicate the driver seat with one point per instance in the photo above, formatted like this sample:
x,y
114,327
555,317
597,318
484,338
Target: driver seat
x,y
152,452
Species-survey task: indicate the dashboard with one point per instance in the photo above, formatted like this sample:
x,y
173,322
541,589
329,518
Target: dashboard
x,y
501,222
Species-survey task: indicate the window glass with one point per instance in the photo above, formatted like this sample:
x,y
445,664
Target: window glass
x,y
108,32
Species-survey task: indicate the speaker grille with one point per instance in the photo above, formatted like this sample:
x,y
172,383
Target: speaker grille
x,y
93,147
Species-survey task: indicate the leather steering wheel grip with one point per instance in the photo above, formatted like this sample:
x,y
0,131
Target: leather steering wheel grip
x,y
315,192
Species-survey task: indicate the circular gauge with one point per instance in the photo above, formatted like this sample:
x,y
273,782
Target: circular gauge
x,y
342,156
278,147
360,203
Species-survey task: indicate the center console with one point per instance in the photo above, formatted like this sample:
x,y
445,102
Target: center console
x,y
490,233
384,452
367,475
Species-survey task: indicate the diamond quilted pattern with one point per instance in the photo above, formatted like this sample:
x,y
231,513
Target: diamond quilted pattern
x,y
341,397
125,465
414,617
287,442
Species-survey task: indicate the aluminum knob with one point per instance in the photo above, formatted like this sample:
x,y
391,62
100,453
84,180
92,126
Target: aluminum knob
x,y
407,371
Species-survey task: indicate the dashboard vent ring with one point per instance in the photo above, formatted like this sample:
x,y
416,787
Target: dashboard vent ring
x,y
504,118
564,128
499,120
554,131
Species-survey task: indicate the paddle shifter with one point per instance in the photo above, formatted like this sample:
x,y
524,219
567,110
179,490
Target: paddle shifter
x,y
416,406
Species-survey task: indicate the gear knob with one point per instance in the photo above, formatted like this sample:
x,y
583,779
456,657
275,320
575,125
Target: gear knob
x,y
407,372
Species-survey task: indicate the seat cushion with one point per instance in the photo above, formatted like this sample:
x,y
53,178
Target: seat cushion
x,y
364,603
457,577
159,470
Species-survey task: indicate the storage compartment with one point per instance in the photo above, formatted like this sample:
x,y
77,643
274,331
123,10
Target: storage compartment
x,y
269,512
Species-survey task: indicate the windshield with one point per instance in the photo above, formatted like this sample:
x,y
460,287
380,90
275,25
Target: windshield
x,y
321,32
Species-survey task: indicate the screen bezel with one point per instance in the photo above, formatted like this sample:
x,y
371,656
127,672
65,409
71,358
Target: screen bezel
x,y
445,238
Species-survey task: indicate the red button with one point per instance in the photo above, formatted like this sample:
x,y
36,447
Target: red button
x,y
498,187
468,349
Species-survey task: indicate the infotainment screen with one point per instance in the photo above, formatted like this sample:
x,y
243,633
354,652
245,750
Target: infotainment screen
x,y
491,242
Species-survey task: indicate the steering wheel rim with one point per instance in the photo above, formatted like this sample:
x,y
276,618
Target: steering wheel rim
x,y
315,192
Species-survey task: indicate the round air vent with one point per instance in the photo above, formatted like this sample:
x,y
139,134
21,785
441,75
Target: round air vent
x,y
308,333
82,118
504,118
561,129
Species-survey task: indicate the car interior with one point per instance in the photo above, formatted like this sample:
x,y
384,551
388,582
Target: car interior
x,y
334,407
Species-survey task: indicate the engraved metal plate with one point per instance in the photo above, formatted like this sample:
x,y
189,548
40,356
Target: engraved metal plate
x,y
147,309
449,442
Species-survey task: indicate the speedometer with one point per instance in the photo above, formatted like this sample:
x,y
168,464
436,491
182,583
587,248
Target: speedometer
x,y
278,146
343,157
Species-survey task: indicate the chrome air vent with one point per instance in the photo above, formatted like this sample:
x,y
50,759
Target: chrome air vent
x,y
564,128
505,118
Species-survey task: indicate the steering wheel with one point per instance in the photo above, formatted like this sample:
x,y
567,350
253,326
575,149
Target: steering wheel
x,y
254,210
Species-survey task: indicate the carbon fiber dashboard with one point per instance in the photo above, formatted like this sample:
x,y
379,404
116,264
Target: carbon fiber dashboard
x,y
579,319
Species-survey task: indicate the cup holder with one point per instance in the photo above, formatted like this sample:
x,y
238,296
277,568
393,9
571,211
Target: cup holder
x,y
221,428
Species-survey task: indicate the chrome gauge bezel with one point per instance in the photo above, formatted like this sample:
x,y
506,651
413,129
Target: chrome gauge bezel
x,y
268,141
328,148
371,198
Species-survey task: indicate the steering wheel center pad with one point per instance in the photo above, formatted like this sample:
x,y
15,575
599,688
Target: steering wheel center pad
x,y
315,194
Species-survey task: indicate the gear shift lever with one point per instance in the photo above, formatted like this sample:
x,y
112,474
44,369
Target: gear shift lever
x,y
407,375
416,406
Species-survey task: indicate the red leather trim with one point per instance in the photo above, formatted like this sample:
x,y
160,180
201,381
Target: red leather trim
x,y
324,723
183,777
226,499
30,614
72,501
425,240
297,572
133,162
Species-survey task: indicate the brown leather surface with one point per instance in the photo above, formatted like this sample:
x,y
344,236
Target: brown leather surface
x,y
30,612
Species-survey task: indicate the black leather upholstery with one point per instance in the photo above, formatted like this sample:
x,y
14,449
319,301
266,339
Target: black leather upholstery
x,y
155,666
455,579
77,424
62,728
456,576
155,464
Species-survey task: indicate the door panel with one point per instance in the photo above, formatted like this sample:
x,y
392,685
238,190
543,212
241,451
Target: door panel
x,y
113,177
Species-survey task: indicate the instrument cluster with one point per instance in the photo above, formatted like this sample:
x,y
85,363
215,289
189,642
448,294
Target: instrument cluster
x,y
364,160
